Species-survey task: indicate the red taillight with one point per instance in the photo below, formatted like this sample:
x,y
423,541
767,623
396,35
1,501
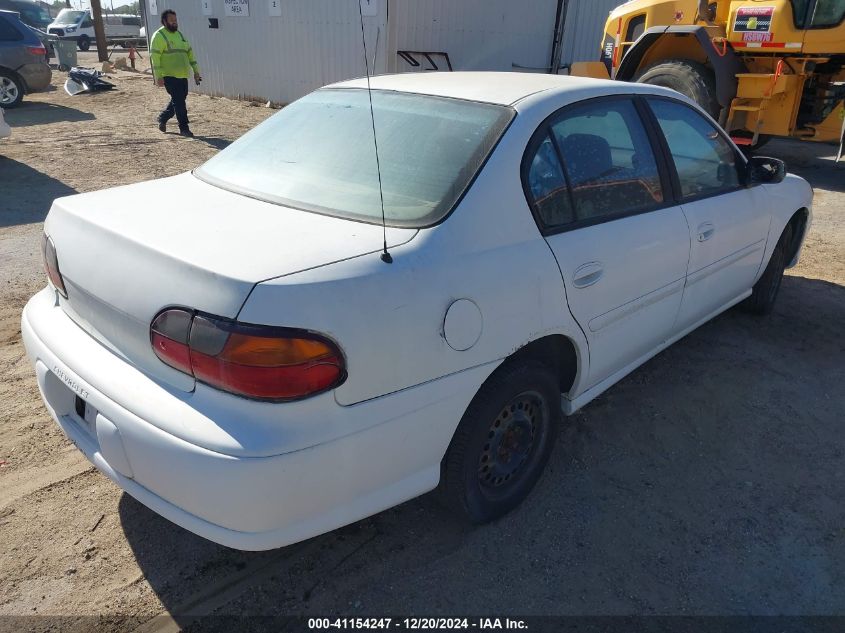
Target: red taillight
x,y
256,361
40,51
51,264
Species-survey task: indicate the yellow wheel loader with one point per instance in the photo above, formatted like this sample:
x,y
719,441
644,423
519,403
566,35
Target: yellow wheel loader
x,y
761,68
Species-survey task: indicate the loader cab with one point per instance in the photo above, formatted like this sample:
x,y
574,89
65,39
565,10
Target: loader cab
x,y
824,24
787,26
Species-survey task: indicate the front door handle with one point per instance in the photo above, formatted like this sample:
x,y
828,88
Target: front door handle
x,y
588,274
705,231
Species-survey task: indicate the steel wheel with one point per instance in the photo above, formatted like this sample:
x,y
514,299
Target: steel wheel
x,y
510,441
503,442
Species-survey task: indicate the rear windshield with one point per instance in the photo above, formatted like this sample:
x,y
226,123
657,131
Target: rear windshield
x,y
69,17
317,154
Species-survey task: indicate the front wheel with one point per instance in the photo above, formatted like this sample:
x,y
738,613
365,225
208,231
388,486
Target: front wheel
x,y
765,291
502,443
84,43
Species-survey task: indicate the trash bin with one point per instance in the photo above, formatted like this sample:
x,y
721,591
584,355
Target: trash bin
x,y
65,53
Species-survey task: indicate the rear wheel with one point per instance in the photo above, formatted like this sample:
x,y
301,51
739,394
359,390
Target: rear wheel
x,y
11,90
502,443
765,291
84,43
689,78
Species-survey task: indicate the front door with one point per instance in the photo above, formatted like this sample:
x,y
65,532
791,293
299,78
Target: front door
x,y
728,222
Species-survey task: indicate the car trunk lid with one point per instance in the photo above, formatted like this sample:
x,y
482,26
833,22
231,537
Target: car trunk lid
x,y
129,252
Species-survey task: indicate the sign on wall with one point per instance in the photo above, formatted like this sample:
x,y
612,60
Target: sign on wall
x,y
275,8
153,7
369,8
206,7
236,8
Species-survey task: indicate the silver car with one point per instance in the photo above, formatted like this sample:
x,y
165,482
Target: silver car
x,y
23,65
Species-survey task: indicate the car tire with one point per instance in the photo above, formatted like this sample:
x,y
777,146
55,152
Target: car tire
x,y
502,442
689,78
765,291
84,43
12,90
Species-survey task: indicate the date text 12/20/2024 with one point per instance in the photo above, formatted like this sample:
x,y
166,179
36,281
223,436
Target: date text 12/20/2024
x,y
417,624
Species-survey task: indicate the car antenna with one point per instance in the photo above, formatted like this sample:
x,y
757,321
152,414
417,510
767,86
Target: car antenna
x,y
385,256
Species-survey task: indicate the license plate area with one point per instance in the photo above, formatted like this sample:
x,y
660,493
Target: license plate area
x,y
85,416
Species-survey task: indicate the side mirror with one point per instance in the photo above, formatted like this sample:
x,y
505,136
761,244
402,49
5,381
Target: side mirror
x,y
763,170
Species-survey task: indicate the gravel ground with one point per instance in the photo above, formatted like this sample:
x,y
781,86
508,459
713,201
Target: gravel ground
x,y
707,482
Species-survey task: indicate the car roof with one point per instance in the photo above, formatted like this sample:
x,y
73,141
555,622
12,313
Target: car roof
x,y
501,88
13,15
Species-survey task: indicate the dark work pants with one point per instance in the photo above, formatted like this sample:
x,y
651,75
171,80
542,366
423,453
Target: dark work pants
x,y
178,91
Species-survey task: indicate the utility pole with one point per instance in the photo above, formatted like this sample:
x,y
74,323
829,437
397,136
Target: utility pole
x,y
99,31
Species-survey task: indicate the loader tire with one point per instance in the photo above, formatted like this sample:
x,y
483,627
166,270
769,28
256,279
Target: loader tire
x,y
689,78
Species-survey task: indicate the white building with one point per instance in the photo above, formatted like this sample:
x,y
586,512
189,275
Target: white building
x,y
279,50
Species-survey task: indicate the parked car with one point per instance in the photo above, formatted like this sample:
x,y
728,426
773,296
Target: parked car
x,y
30,12
271,354
23,61
5,130
78,25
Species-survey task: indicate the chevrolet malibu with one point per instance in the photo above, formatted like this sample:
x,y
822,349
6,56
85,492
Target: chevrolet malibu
x,y
307,330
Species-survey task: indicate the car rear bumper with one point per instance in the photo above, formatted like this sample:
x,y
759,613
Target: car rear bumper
x,y
250,503
37,76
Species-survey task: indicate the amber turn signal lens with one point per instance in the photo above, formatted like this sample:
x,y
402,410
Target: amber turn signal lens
x,y
273,352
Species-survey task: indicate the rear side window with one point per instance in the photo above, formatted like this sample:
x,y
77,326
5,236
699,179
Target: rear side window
x,y
547,186
131,21
706,163
8,32
608,160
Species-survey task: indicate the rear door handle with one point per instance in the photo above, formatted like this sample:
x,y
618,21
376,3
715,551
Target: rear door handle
x,y
588,274
705,231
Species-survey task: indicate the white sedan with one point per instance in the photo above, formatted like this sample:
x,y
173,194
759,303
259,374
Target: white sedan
x,y
253,352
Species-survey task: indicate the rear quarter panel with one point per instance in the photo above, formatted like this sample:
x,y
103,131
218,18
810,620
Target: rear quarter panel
x,y
389,318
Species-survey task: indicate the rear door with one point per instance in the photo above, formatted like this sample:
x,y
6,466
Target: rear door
x,y
591,175
728,222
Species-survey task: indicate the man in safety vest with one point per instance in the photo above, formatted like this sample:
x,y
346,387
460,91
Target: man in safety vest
x,y
172,58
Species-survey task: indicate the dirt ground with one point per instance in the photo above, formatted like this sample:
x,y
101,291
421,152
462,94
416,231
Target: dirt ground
x,y
708,482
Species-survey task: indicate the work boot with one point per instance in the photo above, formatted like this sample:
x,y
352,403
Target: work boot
x,y
162,126
187,133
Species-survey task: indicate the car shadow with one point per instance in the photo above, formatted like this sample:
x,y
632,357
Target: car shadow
x,y
34,192
815,162
721,458
30,113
